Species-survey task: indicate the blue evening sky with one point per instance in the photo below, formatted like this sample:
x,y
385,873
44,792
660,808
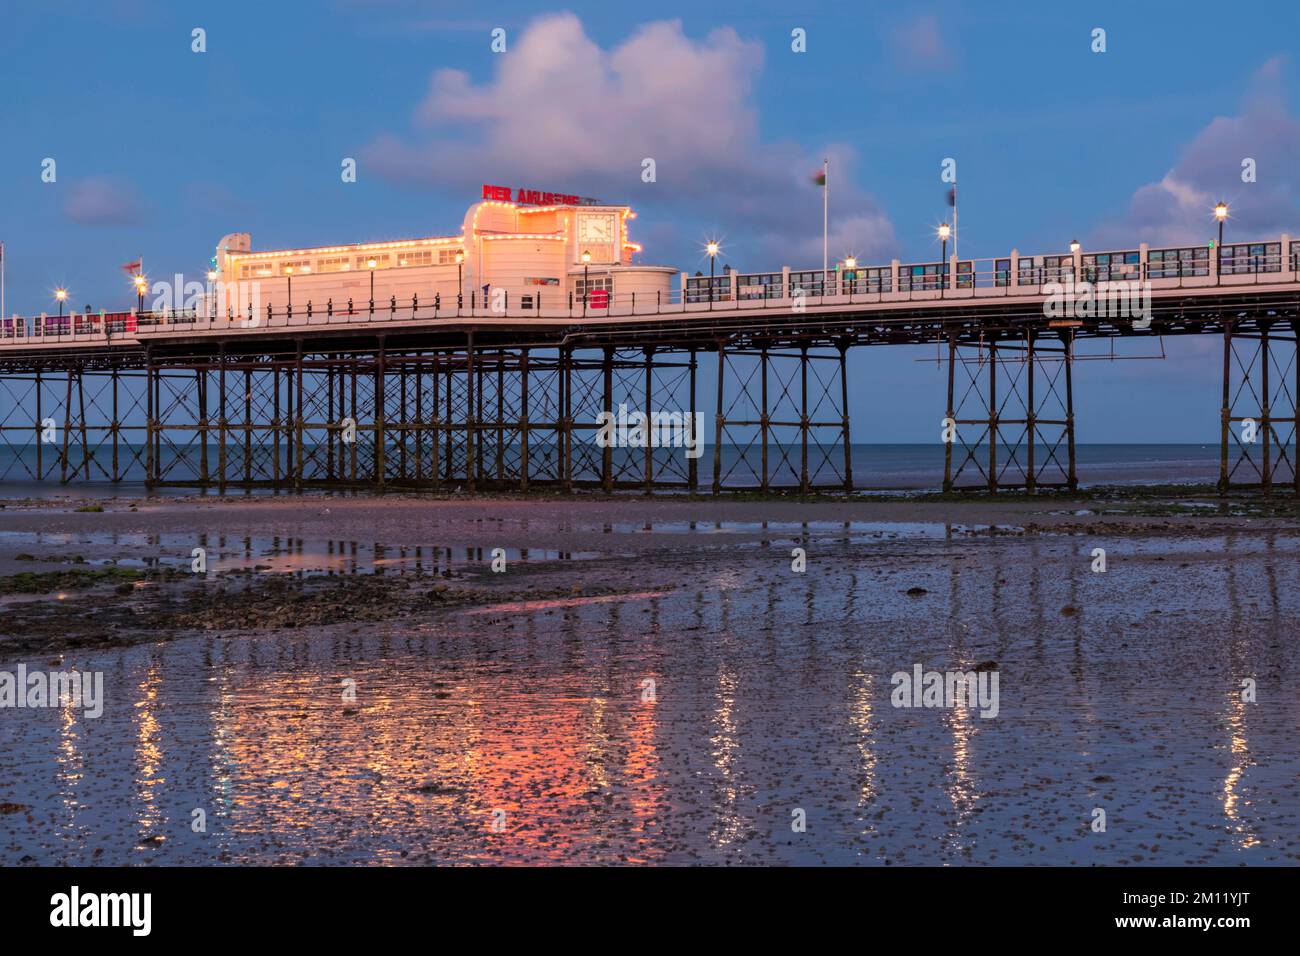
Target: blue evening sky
x,y
160,151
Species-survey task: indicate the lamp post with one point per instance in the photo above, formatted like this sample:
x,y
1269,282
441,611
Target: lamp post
x,y
849,265
370,264
212,302
288,274
1220,213
460,279
945,231
712,249
61,295
586,284
141,286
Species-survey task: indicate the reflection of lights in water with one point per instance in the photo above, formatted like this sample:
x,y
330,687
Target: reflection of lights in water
x,y
643,761
1232,801
726,748
960,783
148,755
860,716
69,759
598,745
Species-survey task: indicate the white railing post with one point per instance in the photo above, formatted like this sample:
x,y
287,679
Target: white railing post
x,y
1144,270
1288,273
733,284
1013,280
952,272
785,282
685,277
893,274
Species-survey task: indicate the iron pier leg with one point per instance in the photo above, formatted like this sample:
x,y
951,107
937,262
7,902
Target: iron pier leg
x,y
951,416
844,412
718,419
1225,412
523,420
607,405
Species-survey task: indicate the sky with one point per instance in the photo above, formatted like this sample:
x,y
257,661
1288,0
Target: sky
x,y
159,150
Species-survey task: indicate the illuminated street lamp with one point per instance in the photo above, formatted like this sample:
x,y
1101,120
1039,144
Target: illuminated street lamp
x,y
1220,213
712,249
1074,246
288,274
945,231
586,283
61,295
141,287
850,264
460,279
212,302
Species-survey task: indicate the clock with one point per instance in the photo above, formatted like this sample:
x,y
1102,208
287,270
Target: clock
x,y
596,228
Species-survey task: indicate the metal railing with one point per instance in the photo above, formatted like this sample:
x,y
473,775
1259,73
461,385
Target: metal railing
x,y
936,282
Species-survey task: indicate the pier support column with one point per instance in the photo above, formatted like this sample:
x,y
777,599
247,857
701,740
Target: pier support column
x,y
693,464
150,462
649,398
523,420
607,405
844,414
718,423
1023,397
1258,419
222,423
380,413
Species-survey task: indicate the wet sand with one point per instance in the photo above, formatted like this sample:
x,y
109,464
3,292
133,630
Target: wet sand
x,y
649,681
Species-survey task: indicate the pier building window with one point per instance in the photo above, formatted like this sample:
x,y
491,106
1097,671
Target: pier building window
x,y
872,279
919,276
1174,263
256,270
447,257
810,282
597,284
1058,268
1112,266
336,264
765,285
382,260
423,257
295,268
1257,257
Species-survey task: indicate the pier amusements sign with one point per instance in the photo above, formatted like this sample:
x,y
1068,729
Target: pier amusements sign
x,y
536,197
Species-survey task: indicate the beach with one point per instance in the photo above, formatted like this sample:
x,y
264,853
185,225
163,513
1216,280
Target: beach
x,y
674,680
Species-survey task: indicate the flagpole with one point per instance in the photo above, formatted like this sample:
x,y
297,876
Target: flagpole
x,y
954,219
2,283
826,203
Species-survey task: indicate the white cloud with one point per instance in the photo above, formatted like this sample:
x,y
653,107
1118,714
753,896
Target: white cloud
x,y
560,112
1178,207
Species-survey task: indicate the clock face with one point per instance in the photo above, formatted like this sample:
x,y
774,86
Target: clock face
x,y
596,229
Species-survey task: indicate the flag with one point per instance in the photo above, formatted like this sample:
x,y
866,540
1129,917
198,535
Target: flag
x,y
131,268
819,177
952,195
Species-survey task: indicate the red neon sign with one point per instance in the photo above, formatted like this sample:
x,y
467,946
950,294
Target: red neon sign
x,y
534,197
